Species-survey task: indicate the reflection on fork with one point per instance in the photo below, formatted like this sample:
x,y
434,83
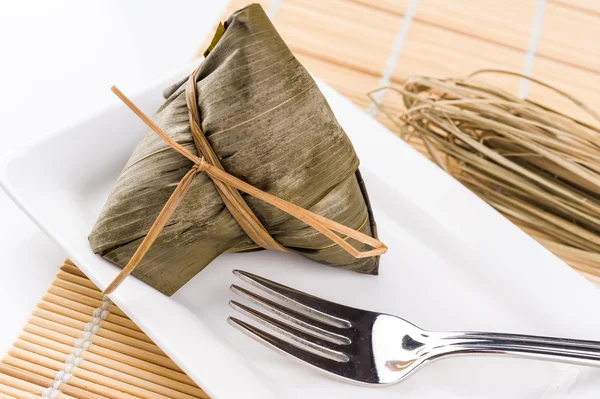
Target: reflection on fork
x,y
376,348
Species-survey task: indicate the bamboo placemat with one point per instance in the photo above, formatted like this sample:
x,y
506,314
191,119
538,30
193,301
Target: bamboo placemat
x,y
77,344
357,46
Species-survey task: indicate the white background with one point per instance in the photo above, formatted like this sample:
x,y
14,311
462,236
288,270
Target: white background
x,y
58,60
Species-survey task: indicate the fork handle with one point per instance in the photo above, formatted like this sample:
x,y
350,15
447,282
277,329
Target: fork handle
x,y
580,352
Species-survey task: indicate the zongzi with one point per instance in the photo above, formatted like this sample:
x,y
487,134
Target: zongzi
x,y
265,122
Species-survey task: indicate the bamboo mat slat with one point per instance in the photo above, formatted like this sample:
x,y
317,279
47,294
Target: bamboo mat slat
x,y
588,6
486,20
559,43
77,336
349,42
352,44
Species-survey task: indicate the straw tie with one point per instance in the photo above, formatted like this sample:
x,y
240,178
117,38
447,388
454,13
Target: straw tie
x,y
228,186
232,198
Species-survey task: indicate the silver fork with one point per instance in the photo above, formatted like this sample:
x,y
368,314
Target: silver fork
x,y
376,348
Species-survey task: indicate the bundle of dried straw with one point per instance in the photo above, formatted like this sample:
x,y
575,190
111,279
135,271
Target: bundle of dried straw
x,y
536,165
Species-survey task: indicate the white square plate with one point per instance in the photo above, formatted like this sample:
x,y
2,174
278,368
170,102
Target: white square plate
x,y
453,264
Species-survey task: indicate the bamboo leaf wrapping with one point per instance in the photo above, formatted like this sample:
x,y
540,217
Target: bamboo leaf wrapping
x,y
271,127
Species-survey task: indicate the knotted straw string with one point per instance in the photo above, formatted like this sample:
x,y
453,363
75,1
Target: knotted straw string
x,y
232,198
325,226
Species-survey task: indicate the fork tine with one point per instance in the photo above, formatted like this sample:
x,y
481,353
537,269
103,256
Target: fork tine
x,y
322,330
278,344
316,308
308,341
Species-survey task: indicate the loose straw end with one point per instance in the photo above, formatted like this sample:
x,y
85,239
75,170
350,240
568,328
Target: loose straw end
x,y
115,283
374,252
110,289
118,92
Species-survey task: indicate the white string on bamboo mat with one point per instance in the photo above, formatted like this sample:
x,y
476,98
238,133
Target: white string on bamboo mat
x,y
534,40
274,8
399,41
81,345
